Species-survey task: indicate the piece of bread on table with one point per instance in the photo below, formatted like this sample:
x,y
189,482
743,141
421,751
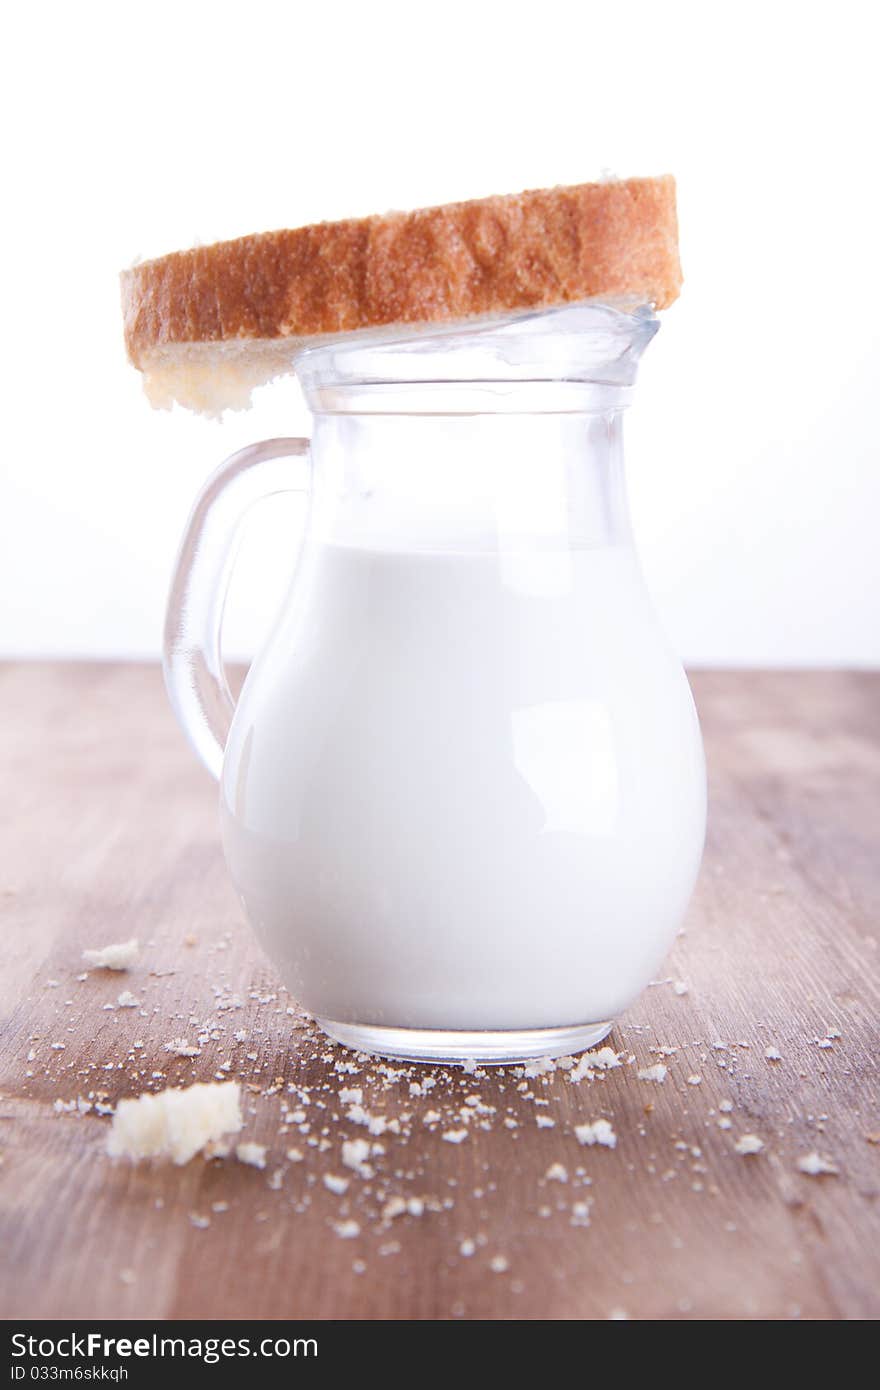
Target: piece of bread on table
x,y
208,325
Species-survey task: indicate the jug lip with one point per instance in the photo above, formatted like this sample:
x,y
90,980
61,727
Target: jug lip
x,y
593,342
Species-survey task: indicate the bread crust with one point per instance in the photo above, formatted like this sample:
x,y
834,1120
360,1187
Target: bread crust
x,y
616,240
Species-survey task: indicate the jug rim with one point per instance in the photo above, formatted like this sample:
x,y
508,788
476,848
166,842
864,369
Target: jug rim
x,y
591,343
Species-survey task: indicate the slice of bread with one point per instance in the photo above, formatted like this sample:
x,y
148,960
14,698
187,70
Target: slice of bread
x,y
208,325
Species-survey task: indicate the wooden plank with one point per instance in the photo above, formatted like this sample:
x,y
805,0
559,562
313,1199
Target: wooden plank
x,y
109,831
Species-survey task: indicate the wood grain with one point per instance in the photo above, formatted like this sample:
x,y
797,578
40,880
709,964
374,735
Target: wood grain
x,y
109,831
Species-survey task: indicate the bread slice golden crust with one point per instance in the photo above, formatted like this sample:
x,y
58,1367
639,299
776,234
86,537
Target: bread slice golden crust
x,y
257,298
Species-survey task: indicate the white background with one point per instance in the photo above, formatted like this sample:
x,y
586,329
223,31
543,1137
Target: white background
x,y
752,446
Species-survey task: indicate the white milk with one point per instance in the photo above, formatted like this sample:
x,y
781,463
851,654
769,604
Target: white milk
x,y
466,791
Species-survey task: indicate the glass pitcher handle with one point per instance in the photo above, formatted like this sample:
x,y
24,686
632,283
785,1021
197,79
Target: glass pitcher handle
x,y
192,654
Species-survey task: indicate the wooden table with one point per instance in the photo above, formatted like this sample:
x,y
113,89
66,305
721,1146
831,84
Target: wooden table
x,y
110,832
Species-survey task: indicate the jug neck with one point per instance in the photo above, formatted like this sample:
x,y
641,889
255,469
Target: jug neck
x,y
496,482
501,436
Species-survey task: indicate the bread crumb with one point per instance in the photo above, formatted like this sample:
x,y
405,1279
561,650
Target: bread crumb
x,y
557,1172
355,1153
394,1207
182,1047
815,1164
467,1248
772,1054
695,1080
680,987
655,1073
454,1136
376,1124
174,1123
749,1144
79,1106
119,955
254,1155
603,1059
538,1067
347,1230
126,1000
599,1132
499,1264
580,1214
294,1155
335,1184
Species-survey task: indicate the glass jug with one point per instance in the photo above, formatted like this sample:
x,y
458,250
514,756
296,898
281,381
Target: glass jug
x,y
463,790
